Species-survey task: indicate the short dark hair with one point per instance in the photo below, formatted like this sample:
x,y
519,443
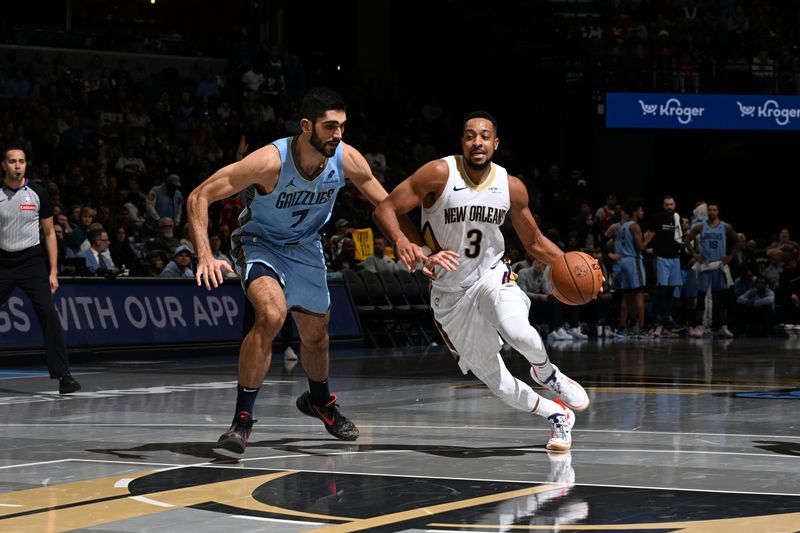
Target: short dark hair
x,y
632,205
13,147
96,234
480,113
320,100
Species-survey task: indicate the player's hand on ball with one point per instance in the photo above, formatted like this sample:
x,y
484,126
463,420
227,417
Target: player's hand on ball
x,y
575,278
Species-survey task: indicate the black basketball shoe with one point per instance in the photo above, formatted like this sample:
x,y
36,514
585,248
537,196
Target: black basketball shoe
x,y
335,422
67,384
235,439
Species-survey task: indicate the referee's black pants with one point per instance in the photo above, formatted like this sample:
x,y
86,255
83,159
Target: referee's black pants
x,y
27,270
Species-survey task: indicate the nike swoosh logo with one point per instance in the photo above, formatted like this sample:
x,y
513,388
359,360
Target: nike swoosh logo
x,y
461,189
249,390
328,421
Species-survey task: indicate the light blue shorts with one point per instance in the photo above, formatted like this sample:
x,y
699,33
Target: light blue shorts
x,y
712,279
628,274
301,270
668,272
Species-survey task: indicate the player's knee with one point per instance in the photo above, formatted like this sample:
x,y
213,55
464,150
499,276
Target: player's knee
x,y
270,317
522,336
496,384
508,390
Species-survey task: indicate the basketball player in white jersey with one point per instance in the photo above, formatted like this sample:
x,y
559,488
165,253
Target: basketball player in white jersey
x,y
465,199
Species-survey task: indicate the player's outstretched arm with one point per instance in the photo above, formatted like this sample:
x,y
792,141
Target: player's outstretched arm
x,y
358,171
425,185
262,168
526,227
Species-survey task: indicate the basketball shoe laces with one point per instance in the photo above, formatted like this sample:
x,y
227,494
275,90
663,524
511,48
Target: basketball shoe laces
x,y
560,426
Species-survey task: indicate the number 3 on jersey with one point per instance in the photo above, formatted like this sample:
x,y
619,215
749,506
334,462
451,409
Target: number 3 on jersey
x,y
474,248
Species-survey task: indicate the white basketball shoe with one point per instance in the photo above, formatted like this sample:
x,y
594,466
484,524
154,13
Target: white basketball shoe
x,y
572,394
561,429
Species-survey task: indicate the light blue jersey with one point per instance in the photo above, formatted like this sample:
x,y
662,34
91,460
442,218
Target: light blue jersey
x,y
624,243
713,247
713,243
298,207
281,229
628,273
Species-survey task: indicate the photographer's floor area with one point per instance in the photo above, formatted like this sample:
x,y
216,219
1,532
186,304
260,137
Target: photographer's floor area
x,y
682,435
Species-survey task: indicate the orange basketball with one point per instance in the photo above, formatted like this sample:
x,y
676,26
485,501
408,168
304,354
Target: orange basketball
x,y
575,278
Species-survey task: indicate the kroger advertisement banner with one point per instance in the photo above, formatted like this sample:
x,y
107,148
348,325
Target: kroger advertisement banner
x,y
125,312
703,111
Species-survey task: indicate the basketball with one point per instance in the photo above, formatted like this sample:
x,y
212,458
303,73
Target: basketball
x,y
575,278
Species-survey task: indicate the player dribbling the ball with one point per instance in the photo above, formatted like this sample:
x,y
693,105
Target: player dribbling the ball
x,y
575,278
465,199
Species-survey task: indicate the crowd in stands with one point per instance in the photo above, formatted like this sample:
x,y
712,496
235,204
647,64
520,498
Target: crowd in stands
x,y
118,148
680,45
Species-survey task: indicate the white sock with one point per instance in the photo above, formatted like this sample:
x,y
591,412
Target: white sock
x,y
547,407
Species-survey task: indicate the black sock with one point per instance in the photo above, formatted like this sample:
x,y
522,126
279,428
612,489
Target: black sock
x,y
320,395
245,399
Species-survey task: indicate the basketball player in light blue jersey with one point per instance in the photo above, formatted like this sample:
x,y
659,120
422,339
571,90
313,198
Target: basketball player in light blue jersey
x,y
628,274
290,187
708,241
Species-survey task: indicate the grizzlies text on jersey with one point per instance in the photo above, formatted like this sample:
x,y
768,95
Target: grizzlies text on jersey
x,y
298,207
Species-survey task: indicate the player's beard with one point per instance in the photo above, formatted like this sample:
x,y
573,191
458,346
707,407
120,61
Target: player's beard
x,y
477,166
321,146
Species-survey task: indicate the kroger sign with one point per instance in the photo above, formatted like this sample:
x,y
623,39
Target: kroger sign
x,y
702,111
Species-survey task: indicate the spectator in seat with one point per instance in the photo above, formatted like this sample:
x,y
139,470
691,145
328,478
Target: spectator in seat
x,y
165,200
181,264
98,258
166,239
379,261
758,308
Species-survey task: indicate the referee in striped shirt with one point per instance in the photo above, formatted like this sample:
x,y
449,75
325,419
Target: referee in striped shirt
x,y
25,214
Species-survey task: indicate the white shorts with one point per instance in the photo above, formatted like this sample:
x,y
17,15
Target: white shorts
x,y
469,319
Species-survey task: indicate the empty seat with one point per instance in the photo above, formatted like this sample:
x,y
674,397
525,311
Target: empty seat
x,y
364,308
412,290
394,292
424,285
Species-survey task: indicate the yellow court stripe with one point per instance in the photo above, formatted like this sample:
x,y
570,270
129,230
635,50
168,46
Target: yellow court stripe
x,y
746,524
105,512
622,384
661,390
64,494
383,520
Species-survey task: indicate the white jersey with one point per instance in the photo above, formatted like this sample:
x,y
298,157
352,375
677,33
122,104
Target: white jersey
x,y
466,218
